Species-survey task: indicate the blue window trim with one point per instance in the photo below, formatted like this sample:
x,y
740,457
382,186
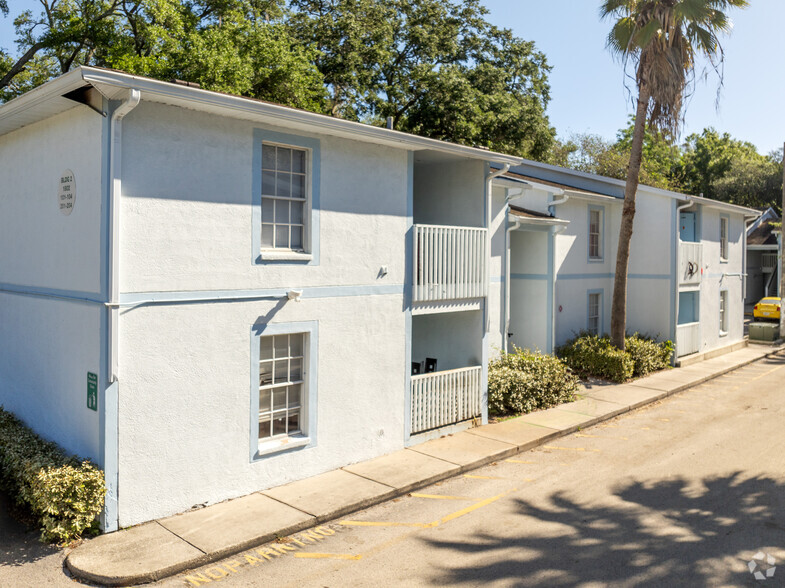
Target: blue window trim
x,y
311,329
727,237
312,231
601,327
601,258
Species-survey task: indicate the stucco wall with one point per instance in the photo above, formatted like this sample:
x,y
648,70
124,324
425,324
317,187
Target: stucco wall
x,y
48,345
188,190
185,369
42,247
529,319
453,339
450,193
715,279
185,397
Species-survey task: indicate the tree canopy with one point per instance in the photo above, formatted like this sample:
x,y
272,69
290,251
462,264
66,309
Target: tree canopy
x,y
710,163
436,66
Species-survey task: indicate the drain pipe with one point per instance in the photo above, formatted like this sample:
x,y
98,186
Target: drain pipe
x,y
488,215
115,177
676,289
508,228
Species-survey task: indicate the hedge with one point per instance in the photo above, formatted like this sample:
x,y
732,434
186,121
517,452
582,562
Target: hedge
x,y
593,355
523,381
64,494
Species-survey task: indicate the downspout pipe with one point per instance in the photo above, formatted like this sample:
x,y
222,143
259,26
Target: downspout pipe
x,y
488,215
507,277
115,177
677,278
511,193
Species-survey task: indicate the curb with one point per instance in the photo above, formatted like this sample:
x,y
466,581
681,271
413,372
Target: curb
x,y
206,558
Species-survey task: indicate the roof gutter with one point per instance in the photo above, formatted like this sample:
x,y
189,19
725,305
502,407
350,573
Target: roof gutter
x,y
285,114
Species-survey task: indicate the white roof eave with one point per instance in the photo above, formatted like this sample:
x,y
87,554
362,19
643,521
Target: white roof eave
x,y
109,82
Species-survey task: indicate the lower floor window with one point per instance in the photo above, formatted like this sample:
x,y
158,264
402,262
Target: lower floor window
x,y
281,385
724,311
593,323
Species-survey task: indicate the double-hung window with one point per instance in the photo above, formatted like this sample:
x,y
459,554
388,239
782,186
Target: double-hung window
x,y
284,197
596,222
281,385
594,313
724,238
723,312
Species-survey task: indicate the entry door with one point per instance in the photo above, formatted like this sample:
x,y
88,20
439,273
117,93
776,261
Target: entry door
x,y
687,224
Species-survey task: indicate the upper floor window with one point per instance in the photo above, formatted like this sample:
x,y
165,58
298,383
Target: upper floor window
x,y
724,220
284,197
596,222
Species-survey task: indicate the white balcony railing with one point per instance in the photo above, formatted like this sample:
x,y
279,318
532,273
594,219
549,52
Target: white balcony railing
x,y
449,263
768,262
690,263
445,398
687,339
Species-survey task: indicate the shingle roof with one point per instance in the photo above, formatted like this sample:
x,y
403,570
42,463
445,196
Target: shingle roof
x,y
763,235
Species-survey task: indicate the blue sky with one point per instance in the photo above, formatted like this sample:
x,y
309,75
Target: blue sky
x,y
587,85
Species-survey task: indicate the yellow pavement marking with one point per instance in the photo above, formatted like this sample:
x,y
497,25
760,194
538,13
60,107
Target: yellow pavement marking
x,y
473,477
570,448
645,428
382,524
664,420
327,556
519,461
601,437
473,507
440,496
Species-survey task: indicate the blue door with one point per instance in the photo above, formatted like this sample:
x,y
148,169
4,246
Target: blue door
x,y
687,224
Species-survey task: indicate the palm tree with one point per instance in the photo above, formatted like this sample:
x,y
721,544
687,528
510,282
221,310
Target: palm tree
x,y
662,39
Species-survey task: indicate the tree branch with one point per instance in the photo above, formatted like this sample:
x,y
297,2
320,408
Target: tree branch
x,y
20,64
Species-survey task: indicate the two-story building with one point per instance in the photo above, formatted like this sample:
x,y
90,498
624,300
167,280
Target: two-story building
x,y
554,259
210,295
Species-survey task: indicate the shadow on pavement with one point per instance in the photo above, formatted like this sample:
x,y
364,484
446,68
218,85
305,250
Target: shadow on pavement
x,y
672,532
18,544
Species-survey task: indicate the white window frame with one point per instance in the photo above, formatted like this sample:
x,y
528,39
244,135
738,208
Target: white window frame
x,y
589,316
273,251
306,436
724,230
599,255
723,309
272,366
308,254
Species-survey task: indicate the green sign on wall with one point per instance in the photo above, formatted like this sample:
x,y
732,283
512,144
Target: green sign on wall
x,y
92,391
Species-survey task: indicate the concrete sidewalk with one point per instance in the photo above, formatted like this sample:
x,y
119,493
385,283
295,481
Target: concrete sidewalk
x,y
163,548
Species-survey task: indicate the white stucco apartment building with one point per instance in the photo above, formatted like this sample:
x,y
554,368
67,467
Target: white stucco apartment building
x,y
209,295
686,275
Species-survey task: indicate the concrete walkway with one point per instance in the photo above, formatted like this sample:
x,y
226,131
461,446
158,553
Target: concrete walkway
x,y
163,548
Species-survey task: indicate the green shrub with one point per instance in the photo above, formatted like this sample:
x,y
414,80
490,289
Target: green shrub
x,y
523,381
63,493
592,355
595,356
648,355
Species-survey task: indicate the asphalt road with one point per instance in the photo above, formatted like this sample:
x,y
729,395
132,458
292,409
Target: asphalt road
x,y
681,493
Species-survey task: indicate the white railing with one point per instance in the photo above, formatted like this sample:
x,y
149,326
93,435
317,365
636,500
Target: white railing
x,y
687,339
449,263
445,398
769,262
690,262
